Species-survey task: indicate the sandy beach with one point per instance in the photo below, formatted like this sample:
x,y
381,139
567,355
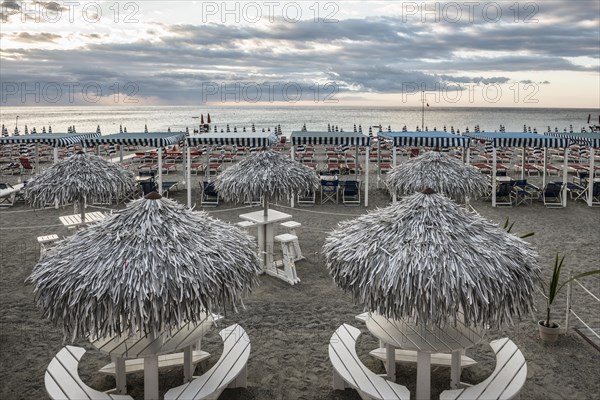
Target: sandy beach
x,y
290,326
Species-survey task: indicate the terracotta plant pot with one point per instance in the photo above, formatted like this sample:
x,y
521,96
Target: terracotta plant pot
x,y
549,335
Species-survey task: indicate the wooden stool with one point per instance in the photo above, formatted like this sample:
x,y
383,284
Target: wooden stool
x,y
289,267
245,225
45,243
291,227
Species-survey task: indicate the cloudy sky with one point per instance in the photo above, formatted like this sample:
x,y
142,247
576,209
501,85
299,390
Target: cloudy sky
x,y
375,53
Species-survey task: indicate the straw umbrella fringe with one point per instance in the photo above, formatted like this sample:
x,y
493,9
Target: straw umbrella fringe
x,y
427,258
79,178
149,267
440,172
266,173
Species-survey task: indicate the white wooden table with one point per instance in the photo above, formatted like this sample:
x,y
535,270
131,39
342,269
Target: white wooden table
x,y
74,220
124,347
265,232
410,336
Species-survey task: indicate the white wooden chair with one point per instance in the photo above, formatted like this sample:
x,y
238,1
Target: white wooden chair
x,y
288,273
291,229
349,371
230,371
63,382
506,381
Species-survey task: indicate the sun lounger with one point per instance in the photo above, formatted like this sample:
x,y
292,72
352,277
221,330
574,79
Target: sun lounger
x,y
8,194
552,194
229,372
210,197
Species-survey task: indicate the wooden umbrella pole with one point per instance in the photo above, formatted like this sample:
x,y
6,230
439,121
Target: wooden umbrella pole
x,y
82,208
266,204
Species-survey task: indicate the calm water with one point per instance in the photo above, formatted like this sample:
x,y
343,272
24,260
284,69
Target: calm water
x,y
86,119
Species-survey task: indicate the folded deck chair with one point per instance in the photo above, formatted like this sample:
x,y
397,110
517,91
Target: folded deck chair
x,y
26,167
504,194
351,193
552,194
167,187
210,196
148,187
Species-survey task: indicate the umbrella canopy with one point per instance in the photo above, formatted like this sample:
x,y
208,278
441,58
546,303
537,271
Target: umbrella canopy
x,y
265,173
79,178
429,259
149,267
440,172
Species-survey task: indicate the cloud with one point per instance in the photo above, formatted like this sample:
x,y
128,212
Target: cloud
x,y
375,54
27,37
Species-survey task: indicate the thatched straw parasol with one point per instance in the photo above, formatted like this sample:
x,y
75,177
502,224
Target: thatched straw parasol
x,y
149,267
265,173
427,258
80,178
440,172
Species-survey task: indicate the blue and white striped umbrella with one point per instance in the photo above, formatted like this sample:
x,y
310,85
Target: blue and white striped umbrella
x,y
426,139
252,139
330,138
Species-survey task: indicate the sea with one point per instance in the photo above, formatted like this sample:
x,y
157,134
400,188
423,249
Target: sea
x,y
292,118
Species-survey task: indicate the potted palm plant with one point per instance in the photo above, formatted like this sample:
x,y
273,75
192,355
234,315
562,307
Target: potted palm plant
x,y
549,330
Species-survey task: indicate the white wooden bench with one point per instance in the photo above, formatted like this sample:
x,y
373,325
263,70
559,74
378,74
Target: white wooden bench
x,y
164,361
63,382
348,370
504,383
229,371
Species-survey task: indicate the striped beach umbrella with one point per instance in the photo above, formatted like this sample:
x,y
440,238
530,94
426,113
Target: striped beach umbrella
x,y
429,259
150,267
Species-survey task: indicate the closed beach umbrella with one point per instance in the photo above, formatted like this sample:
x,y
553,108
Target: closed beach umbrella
x,y
429,259
440,172
208,120
265,173
80,178
202,119
147,268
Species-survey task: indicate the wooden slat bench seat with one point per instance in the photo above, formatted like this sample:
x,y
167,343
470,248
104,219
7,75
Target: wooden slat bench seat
x,y
229,371
164,361
410,356
63,382
348,370
506,381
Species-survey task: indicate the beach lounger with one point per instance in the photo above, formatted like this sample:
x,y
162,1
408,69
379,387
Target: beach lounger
x,y
530,169
26,167
504,194
8,193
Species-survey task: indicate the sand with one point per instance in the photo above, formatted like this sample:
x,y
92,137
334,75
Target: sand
x,y
290,326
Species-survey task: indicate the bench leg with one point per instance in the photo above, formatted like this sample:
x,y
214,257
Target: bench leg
x,y
188,366
120,376
338,382
423,375
455,370
151,378
240,381
390,362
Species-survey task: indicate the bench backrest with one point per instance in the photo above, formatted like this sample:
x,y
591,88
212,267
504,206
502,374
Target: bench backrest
x,y
342,353
63,382
236,350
